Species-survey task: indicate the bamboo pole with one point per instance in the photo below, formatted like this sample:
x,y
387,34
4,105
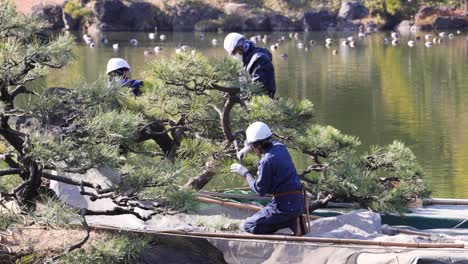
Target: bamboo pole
x,y
445,201
237,196
265,198
249,207
230,235
338,241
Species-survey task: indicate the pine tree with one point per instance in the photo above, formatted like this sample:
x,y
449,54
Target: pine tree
x,y
184,130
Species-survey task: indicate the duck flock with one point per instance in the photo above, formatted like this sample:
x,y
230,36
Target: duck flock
x,y
351,41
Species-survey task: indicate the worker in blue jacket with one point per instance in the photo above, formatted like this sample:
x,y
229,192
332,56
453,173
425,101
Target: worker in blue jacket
x,y
276,175
118,69
258,62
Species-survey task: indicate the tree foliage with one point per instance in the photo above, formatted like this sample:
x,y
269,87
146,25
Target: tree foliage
x,y
184,130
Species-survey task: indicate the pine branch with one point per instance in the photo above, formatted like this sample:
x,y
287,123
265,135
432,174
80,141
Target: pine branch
x,y
67,180
20,89
84,223
10,171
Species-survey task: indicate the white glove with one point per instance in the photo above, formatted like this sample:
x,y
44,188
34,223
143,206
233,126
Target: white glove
x,y
239,169
243,152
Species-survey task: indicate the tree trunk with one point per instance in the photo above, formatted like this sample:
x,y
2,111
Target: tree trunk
x,y
29,192
197,183
157,132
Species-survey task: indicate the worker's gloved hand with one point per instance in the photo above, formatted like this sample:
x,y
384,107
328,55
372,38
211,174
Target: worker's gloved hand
x,y
239,169
243,152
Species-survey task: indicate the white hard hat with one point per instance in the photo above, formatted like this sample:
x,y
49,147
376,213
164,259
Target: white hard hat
x,y
117,63
231,40
257,131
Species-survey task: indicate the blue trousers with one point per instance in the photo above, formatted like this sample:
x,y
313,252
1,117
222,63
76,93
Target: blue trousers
x,y
270,219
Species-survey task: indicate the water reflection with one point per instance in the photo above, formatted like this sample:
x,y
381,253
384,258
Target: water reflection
x,y
374,91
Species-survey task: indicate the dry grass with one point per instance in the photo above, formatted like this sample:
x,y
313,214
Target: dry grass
x,y
36,239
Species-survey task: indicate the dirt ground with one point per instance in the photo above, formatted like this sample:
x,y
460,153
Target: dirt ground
x,y
36,239
24,6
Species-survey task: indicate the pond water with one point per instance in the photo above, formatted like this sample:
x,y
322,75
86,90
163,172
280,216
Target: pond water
x,y
376,92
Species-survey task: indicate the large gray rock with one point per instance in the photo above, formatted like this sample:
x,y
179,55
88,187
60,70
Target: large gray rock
x,y
109,11
317,20
450,23
279,22
352,10
236,9
183,17
259,22
425,11
70,22
51,13
140,16
407,27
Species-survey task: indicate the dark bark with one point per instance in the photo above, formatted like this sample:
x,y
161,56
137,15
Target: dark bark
x,y
66,180
198,182
225,118
10,171
27,193
157,132
118,211
14,138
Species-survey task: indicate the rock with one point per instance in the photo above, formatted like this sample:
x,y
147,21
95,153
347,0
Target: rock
x,y
406,26
183,17
317,20
440,18
140,16
236,9
260,22
51,13
109,11
450,23
425,11
70,22
279,22
352,10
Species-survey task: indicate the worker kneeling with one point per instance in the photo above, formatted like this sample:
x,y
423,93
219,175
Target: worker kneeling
x,y
277,175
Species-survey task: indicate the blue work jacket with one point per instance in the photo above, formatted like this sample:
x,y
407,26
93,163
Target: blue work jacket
x,y
277,174
258,63
134,85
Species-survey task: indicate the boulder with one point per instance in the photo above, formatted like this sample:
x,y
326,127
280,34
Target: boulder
x,y
140,16
70,22
260,22
317,20
425,11
279,22
236,9
51,13
183,17
109,11
352,10
450,23
406,26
